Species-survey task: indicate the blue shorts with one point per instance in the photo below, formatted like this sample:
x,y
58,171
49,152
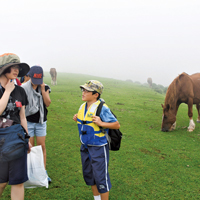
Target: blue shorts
x,y
14,171
37,129
95,161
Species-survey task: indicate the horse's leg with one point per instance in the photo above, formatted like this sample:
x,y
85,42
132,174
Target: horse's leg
x,y
198,118
190,114
191,125
173,127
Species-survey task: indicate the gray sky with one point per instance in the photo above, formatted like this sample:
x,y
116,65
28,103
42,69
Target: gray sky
x,y
121,39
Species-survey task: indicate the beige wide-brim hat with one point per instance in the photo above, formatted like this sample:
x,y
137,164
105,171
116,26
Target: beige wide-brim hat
x,y
10,59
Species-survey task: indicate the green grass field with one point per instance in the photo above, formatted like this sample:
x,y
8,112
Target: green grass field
x,y
150,164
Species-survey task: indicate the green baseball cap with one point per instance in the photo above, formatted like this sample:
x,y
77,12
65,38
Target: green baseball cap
x,y
93,85
9,59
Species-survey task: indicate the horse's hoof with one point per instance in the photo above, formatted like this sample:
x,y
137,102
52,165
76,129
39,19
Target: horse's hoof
x,y
190,130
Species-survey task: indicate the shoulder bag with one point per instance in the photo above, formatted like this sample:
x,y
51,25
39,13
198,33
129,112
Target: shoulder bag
x,y
13,142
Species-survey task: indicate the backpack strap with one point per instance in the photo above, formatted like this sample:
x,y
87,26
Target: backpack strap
x,y
101,128
99,109
98,114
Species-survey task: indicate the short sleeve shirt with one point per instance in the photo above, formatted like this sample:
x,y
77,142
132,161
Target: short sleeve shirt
x,y
16,100
106,115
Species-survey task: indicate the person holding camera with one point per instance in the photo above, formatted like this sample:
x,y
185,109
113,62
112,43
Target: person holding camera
x,y
13,100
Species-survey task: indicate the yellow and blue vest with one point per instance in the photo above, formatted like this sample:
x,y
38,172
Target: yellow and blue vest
x,y
89,132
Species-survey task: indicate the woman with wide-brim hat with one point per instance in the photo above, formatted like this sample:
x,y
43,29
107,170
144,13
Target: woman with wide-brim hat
x,y
13,100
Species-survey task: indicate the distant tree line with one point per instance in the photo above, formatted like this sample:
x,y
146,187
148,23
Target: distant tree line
x,y
156,87
159,88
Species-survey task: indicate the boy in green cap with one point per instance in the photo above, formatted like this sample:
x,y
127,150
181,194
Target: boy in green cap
x,y
94,147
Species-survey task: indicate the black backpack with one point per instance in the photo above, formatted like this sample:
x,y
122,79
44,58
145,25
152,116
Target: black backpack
x,y
114,136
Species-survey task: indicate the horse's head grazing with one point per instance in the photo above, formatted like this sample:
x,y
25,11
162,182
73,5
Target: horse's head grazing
x,y
169,118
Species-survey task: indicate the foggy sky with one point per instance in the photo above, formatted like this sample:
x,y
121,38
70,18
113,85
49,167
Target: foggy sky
x,y
121,39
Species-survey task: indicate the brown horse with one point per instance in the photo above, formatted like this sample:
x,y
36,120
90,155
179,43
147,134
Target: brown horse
x,y
53,76
183,89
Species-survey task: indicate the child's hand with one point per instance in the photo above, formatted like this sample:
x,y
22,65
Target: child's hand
x,y
29,147
75,118
96,120
42,87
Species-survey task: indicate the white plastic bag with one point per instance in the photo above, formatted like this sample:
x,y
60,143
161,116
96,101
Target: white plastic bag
x,y
35,169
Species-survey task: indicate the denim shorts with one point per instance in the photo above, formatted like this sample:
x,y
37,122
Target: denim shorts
x,y
37,129
14,171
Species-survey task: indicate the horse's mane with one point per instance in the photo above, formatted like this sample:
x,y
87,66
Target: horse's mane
x,y
171,93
